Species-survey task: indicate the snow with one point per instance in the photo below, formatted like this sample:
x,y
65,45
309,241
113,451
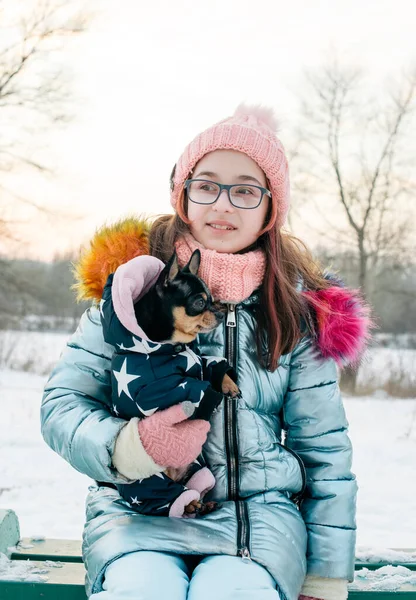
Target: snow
x,y
382,364
383,435
25,570
379,554
387,578
31,351
398,340
48,494
20,570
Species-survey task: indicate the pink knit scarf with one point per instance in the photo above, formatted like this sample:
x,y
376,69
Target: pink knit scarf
x,y
231,278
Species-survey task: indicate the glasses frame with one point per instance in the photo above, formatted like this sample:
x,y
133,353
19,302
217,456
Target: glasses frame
x,y
226,186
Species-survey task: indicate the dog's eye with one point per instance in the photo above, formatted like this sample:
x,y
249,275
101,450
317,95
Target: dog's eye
x,y
199,303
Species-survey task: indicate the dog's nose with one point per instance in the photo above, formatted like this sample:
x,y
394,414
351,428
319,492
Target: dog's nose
x,y
219,315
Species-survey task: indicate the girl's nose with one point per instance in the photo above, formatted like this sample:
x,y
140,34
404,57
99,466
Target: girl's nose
x,y
223,203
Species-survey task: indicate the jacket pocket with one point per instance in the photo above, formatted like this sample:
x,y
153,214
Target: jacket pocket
x,y
297,497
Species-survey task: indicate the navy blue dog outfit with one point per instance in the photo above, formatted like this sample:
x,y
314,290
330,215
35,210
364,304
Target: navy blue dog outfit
x,y
147,376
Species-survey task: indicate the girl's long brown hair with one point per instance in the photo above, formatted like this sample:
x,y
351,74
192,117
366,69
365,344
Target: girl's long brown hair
x,y
282,309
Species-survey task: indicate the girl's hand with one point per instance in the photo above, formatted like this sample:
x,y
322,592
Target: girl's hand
x,y
170,438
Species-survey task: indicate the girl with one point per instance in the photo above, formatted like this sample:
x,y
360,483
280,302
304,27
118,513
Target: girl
x,y
281,455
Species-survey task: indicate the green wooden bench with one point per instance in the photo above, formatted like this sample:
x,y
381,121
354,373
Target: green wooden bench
x,y
51,569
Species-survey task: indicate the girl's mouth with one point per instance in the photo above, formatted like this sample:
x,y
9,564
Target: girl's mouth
x,y
218,227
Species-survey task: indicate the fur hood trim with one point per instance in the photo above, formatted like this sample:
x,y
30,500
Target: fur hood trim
x,y
111,246
340,324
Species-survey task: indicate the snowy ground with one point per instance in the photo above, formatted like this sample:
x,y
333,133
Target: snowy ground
x,y
48,494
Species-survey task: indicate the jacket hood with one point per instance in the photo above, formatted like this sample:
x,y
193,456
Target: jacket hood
x,y
340,320
131,281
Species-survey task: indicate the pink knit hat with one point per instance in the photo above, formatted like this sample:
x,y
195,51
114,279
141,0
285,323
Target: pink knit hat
x,y
252,130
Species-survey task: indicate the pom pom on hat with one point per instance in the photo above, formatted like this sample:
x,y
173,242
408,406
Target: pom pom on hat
x,y
251,130
264,114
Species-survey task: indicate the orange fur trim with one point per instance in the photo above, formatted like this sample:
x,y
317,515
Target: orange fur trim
x,y
111,246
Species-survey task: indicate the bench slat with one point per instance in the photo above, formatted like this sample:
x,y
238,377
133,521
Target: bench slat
x,y
404,593
67,583
48,549
19,590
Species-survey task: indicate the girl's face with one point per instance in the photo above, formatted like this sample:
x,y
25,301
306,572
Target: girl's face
x,y
243,225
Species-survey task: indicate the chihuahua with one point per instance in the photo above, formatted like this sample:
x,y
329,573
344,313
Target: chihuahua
x,y
176,309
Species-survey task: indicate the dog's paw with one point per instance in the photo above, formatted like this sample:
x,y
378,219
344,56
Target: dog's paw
x,y
193,507
230,388
207,508
200,508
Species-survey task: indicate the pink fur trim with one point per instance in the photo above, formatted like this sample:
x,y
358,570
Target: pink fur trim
x,y
342,323
202,481
178,507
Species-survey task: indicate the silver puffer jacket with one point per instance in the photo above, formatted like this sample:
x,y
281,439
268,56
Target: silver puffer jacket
x,y
287,436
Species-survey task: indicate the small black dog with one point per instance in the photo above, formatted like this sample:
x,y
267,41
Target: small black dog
x,y
179,305
176,309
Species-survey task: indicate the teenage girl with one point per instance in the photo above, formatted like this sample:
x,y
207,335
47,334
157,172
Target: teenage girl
x,y
280,454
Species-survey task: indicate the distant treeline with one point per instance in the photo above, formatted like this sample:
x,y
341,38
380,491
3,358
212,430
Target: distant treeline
x,y
37,295
391,288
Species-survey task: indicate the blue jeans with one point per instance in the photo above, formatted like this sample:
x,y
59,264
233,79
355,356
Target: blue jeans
x,y
159,575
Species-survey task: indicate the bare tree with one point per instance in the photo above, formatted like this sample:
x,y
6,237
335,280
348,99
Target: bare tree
x,y
34,90
353,163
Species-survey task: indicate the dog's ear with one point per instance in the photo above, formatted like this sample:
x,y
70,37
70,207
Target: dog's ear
x,y
193,264
171,269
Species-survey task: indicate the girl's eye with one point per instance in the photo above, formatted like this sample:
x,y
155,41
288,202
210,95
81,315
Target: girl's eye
x,y
207,187
244,191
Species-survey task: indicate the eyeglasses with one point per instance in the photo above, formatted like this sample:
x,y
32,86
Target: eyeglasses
x,y
202,191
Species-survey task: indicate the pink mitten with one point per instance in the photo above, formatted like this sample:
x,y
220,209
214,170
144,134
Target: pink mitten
x,y
307,598
170,438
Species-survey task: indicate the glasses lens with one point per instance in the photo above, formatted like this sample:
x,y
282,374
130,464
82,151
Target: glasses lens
x,y
203,192
246,196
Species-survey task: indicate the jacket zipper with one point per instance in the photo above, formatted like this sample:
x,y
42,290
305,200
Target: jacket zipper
x,y
243,530
298,497
230,416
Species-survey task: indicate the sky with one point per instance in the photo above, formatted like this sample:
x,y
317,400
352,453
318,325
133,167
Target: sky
x,y
148,76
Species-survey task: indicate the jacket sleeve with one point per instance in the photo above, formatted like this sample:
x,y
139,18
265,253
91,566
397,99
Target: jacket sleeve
x,y
75,418
173,389
316,426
